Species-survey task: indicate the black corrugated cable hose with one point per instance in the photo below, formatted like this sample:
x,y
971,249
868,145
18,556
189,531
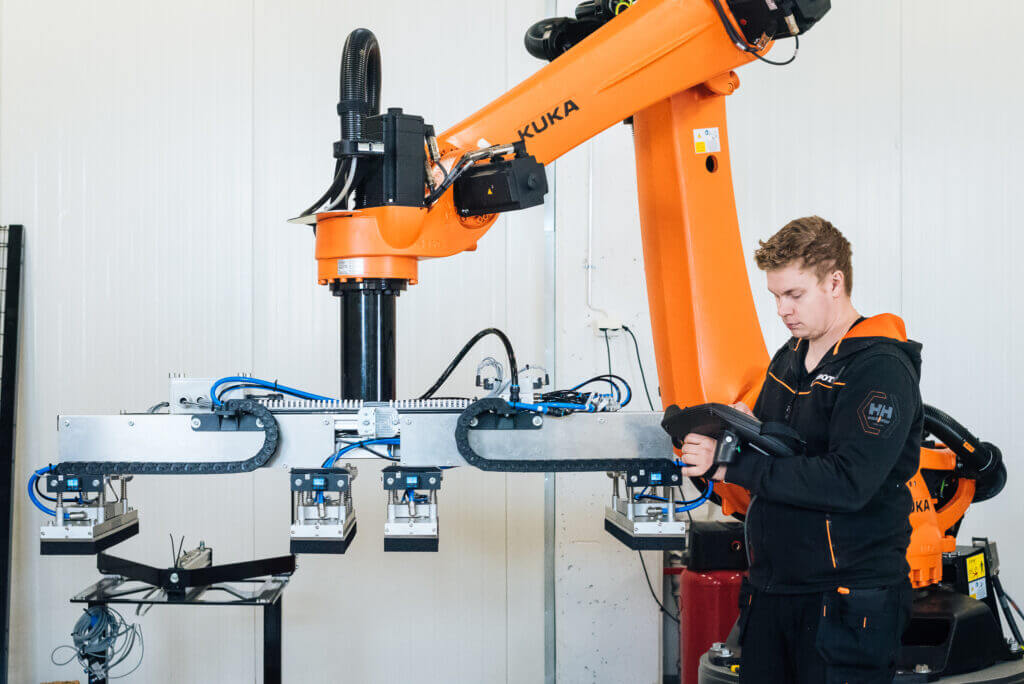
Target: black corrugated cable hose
x,y
358,98
360,82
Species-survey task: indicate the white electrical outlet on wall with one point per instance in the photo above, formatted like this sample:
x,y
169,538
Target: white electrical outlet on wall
x,y
605,323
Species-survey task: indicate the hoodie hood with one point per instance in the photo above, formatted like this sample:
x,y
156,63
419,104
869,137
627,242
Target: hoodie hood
x,y
881,329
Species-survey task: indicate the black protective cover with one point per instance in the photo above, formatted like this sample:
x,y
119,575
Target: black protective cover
x,y
716,545
333,546
666,542
406,544
87,548
397,177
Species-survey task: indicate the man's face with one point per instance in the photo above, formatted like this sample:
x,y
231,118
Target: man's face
x,y
806,306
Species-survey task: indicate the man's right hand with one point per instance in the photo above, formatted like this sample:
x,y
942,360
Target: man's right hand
x,y
740,406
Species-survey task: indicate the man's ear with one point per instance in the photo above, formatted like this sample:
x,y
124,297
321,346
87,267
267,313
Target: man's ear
x,y
838,283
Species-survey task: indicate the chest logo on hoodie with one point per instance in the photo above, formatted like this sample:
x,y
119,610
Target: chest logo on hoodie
x,y
878,413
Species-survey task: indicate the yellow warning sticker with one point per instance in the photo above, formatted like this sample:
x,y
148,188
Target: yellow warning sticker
x,y
975,567
706,140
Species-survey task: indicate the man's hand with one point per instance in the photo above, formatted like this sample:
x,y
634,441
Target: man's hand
x,y
699,454
699,451
743,408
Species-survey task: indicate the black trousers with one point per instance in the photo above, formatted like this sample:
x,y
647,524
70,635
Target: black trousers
x,y
834,637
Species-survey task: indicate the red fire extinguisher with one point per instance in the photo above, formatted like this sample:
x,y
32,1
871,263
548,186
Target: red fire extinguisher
x,y
708,608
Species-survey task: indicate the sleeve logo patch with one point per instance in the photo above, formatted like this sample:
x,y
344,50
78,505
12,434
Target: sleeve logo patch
x,y
878,413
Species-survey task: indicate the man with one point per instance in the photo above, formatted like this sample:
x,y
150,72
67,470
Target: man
x,y
827,531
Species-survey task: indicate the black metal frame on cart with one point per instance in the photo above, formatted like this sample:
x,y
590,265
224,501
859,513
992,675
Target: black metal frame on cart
x,y
257,583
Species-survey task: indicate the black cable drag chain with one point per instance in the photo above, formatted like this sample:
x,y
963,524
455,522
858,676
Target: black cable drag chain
x,y
557,465
237,407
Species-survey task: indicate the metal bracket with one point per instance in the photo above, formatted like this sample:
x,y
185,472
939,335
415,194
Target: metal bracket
x,y
226,422
377,422
516,421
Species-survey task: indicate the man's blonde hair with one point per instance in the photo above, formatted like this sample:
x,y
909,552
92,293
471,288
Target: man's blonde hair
x,y
809,242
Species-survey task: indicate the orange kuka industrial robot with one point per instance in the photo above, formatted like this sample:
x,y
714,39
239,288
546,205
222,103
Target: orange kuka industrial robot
x,y
402,193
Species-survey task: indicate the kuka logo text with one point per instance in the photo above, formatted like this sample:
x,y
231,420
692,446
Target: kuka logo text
x,y
541,124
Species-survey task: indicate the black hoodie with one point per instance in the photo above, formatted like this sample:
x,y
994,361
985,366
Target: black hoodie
x,y
836,515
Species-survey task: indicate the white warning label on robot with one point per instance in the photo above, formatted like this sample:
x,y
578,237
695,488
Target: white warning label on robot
x,y
706,141
977,589
347,267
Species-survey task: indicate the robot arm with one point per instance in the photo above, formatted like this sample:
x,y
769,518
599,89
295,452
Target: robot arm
x,y
665,63
632,57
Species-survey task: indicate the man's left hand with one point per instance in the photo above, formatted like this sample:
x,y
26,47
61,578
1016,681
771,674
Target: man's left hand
x,y
698,452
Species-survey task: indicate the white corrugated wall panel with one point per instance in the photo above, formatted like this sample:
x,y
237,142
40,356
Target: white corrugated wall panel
x,y
962,207
822,136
